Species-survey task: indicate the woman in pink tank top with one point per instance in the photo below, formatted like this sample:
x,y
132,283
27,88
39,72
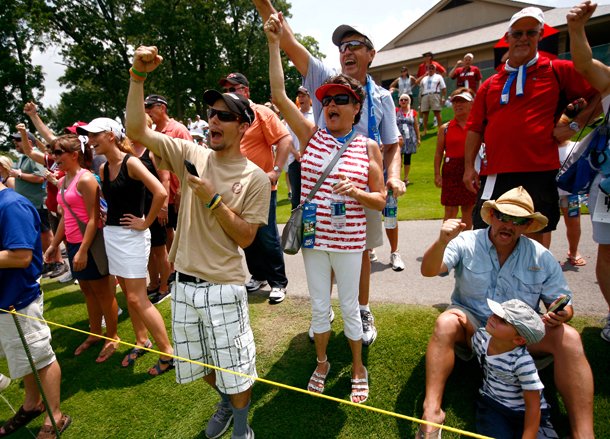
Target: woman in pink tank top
x,y
79,196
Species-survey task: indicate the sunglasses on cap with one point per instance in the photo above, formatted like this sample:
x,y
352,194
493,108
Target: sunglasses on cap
x,y
223,116
233,89
517,34
352,45
515,220
340,99
148,106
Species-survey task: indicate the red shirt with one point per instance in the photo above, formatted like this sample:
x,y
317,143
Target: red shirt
x,y
51,201
519,135
472,74
455,139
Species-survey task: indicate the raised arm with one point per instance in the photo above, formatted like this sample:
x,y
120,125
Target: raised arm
x,y
28,150
145,60
301,126
432,263
594,71
32,111
297,53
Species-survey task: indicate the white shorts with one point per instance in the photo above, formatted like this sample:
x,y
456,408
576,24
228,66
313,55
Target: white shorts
x,y
37,335
374,228
211,324
432,102
127,251
601,231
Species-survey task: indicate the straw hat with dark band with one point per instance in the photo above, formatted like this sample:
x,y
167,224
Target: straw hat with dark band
x,y
516,202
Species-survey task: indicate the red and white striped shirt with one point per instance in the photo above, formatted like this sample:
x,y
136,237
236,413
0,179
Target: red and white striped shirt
x,y
354,164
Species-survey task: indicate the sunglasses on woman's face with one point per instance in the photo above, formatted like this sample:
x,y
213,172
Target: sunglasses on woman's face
x,y
58,151
340,99
223,116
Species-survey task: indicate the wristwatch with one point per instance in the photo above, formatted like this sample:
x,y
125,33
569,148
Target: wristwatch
x,y
574,126
276,168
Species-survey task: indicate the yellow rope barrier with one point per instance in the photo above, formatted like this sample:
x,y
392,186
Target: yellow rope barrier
x,y
263,380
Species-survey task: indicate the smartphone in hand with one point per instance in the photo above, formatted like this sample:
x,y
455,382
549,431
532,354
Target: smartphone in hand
x,y
191,168
560,305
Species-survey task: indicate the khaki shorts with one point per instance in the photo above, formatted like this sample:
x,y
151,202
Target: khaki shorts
x,y
37,335
374,229
431,102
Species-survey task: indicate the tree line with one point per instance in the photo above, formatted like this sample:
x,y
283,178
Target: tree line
x,y
200,40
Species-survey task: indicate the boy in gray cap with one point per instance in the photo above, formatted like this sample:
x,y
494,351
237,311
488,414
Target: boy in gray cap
x,y
511,403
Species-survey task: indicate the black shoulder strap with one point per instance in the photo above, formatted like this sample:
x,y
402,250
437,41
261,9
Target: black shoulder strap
x,y
562,101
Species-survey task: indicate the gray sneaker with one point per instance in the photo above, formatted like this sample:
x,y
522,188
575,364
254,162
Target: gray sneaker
x,y
368,328
254,285
219,422
605,334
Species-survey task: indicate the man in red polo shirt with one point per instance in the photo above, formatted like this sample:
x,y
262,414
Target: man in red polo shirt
x,y
515,114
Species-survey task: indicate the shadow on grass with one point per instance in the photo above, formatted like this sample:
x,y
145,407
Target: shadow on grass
x,y
285,413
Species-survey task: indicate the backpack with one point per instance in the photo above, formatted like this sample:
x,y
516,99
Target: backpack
x,y
589,155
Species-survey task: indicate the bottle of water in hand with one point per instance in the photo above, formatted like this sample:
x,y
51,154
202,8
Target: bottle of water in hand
x,y
337,212
390,211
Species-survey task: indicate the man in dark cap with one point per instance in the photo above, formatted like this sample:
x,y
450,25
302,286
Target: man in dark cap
x,y
264,257
221,211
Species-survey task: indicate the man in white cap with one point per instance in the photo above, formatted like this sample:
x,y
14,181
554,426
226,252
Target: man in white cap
x,y
501,264
465,74
378,122
518,109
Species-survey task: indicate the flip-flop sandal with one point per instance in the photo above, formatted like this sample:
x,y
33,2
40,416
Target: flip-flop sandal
x,y
21,419
157,367
317,381
85,345
107,352
360,387
136,353
48,432
577,261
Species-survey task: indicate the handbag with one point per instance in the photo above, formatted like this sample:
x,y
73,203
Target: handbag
x,y
583,164
97,247
292,235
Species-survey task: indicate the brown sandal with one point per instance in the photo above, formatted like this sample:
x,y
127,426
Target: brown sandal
x,y
48,432
21,419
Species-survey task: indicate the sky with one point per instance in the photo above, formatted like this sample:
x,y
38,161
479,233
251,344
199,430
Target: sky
x,y
382,19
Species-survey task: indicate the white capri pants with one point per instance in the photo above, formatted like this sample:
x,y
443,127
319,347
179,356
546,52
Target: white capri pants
x,y
346,266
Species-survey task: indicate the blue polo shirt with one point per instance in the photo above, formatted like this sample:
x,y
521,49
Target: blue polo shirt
x,y
531,273
19,229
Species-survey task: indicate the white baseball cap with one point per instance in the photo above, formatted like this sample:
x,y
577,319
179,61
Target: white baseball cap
x,y
100,125
531,11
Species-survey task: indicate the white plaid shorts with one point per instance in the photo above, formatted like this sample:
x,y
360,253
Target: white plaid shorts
x,y
211,324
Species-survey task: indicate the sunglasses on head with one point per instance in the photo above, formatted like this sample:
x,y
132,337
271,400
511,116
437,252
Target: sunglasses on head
x,y
515,220
233,89
340,99
223,116
147,106
517,34
352,45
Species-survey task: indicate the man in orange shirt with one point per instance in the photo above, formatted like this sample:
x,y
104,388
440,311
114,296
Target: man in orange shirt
x,y
264,256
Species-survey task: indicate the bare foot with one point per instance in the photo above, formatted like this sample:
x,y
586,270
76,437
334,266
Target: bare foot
x,y
110,348
90,341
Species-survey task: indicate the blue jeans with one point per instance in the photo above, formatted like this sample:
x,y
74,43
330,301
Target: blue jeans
x,y
495,420
264,256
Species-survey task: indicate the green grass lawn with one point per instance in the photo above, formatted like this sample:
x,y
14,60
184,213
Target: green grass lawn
x,y
423,198
107,401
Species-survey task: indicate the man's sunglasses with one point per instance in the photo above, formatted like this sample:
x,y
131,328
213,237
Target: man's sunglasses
x,y
516,220
232,89
517,34
148,106
223,116
341,99
352,45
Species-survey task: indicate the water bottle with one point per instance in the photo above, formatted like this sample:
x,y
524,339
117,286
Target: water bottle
x,y
390,211
337,212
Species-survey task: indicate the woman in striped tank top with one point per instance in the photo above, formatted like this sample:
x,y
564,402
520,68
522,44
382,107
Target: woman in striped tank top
x,y
356,180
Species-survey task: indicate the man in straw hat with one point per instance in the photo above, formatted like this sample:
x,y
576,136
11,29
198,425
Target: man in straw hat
x,y
500,264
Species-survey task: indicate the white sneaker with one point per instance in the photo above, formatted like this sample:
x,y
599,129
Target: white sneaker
x,y
368,328
4,382
396,262
104,320
66,277
372,255
277,295
254,285
331,318
605,334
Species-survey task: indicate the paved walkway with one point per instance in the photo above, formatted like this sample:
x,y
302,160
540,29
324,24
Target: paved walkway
x,y
410,287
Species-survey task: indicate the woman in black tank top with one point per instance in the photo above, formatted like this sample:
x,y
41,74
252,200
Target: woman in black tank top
x,y
127,237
